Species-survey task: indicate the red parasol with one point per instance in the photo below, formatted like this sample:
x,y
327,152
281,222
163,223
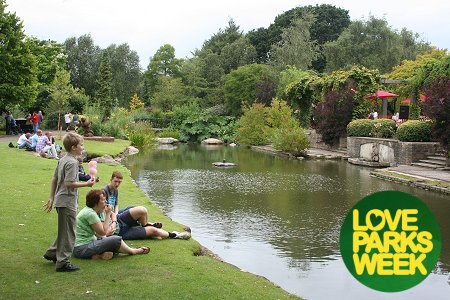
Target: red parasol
x,y
382,94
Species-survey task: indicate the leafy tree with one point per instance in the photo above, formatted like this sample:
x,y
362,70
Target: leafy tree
x,y
330,21
191,74
18,84
408,69
241,86
296,48
169,93
372,44
126,73
60,91
437,107
163,63
83,61
238,53
104,96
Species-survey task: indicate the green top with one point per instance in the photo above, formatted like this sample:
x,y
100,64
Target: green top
x,y
85,234
102,217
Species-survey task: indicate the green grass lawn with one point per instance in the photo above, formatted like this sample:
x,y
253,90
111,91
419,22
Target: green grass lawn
x,y
170,271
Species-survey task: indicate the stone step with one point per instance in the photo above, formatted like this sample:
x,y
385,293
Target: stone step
x,y
440,157
433,161
426,165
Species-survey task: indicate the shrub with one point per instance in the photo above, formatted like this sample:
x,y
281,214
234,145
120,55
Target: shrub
x,y
414,131
141,134
170,132
360,127
252,126
381,128
291,139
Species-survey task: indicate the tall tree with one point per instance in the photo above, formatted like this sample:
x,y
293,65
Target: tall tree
x,y
296,48
163,63
18,84
238,53
241,86
224,37
329,22
104,95
126,72
372,43
83,60
60,91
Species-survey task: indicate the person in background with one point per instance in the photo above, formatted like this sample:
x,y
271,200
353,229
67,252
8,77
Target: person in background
x,y
82,176
35,121
45,145
24,141
76,121
41,118
8,123
67,120
35,139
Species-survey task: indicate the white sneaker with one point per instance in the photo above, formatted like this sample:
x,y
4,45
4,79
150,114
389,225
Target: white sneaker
x,y
182,235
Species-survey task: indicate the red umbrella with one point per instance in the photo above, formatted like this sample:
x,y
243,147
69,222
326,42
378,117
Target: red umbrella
x,y
382,94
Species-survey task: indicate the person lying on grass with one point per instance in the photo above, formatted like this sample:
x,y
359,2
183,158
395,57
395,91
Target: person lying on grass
x,y
132,222
94,239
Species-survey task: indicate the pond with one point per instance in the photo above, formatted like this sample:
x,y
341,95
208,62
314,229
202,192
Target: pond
x,y
278,218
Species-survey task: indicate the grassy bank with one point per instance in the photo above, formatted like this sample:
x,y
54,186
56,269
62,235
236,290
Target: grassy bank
x,y
170,271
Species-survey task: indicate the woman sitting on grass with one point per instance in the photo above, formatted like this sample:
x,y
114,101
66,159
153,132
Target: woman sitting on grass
x,y
92,240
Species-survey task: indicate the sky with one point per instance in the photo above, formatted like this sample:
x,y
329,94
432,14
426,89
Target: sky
x,y
185,24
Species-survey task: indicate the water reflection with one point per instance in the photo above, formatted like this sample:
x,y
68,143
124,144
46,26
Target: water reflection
x,y
275,217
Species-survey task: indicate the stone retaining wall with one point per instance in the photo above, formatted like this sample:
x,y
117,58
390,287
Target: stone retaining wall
x,y
390,151
315,141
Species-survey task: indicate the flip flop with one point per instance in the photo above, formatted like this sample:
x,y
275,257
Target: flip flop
x,y
145,250
156,225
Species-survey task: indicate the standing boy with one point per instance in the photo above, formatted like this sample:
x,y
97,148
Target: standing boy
x,y
64,196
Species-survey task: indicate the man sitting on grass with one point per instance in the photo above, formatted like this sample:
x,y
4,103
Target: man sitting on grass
x,y
132,222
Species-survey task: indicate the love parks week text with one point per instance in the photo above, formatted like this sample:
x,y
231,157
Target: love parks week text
x,y
398,245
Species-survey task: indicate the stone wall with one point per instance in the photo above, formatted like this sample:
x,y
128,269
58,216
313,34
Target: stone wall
x,y
315,141
390,151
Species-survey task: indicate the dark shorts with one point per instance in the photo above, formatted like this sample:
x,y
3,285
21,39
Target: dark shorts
x,y
106,244
130,229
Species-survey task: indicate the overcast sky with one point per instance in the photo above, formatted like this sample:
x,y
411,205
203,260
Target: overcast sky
x,y
185,24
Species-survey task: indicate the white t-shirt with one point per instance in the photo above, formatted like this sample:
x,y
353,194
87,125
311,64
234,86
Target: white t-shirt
x,y
375,115
22,140
67,118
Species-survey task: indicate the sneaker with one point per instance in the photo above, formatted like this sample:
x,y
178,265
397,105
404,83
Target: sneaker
x,y
103,256
68,267
182,235
48,257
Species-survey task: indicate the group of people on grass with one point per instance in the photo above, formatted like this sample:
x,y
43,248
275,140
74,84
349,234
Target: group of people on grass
x,y
98,231
42,143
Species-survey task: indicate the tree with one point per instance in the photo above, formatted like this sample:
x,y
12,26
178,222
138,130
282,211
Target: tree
x,y
329,22
238,53
104,95
163,63
169,93
126,73
223,38
437,107
60,91
136,103
296,48
18,83
241,86
372,44
252,126
83,61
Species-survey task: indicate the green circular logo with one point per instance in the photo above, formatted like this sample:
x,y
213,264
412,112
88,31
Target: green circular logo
x,y
390,241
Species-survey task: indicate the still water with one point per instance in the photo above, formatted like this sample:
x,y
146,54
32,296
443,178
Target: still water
x,y
278,218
